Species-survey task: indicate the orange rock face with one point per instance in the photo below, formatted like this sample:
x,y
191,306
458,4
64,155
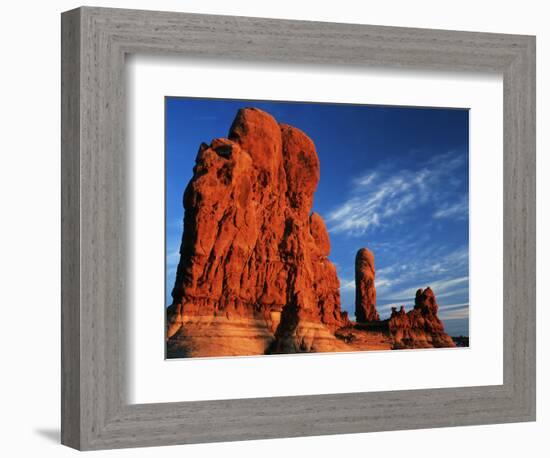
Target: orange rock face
x,y
254,275
420,327
252,252
365,291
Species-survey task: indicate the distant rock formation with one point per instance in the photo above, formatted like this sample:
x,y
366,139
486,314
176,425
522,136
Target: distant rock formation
x,y
365,291
420,327
254,273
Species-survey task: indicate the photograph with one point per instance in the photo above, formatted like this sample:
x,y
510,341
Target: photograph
x,y
308,227
275,229
270,229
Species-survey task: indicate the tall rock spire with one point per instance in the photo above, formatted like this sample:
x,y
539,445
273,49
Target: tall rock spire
x,y
365,291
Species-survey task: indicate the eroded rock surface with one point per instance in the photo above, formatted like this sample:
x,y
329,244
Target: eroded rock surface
x,y
365,290
420,327
254,273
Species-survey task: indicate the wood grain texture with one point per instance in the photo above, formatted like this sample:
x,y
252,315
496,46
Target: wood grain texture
x,y
70,229
96,414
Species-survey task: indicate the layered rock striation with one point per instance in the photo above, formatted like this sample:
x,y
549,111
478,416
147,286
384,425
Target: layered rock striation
x,y
254,274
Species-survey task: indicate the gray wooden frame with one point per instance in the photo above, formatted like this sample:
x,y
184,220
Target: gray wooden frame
x,y
95,413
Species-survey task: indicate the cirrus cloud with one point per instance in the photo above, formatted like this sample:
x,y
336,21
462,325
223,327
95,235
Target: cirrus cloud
x,y
381,197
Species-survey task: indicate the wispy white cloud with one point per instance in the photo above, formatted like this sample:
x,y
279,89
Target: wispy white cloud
x,y
433,265
449,307
381,197
446,312
456,210
454,311
454,261
347,284
441,288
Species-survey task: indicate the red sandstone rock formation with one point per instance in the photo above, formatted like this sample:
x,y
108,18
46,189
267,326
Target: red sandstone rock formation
x,y
365,291
420,327
254,273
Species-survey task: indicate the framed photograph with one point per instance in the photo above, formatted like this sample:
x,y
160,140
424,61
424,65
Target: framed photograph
x,y
278,228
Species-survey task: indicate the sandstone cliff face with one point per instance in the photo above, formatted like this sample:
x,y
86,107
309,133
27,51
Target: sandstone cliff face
x,y
420,327
365,291
254,273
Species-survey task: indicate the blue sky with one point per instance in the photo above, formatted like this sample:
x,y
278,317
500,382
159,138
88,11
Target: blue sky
x,y
393,179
